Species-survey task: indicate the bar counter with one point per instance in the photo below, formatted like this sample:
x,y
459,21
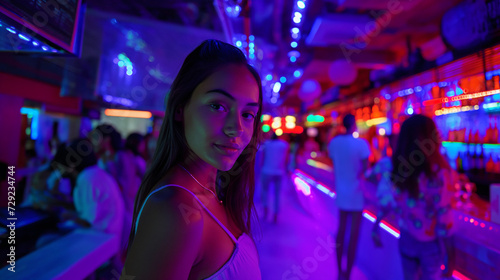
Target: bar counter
x,y
475,241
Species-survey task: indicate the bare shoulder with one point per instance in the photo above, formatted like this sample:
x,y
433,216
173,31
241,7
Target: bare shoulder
x,y
173,205
168,238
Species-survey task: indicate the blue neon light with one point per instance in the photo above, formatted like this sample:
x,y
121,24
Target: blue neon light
x,y
34,121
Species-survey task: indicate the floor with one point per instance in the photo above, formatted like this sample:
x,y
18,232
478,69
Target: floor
x,y
297,246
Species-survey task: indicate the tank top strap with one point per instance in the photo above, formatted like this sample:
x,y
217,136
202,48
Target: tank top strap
x,y
197,199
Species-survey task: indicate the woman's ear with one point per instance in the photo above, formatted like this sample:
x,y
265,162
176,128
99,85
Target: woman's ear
x,y
179,116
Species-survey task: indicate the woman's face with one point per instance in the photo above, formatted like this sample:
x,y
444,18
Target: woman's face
x,y
219,118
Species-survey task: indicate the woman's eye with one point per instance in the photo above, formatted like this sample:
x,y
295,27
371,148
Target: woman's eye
x,y
249,116
217,107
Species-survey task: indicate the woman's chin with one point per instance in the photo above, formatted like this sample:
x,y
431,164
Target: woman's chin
x,y
225,165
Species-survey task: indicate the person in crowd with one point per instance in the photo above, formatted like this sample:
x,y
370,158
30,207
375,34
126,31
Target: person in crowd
x,y
274,168
108,145
149,148
294,147
311,145
193,212
380,174
350,161
98,202
133,166
48,190
136,144
424,191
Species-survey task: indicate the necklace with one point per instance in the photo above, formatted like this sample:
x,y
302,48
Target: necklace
x,y
214,194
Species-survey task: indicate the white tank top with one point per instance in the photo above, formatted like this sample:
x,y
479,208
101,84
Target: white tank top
x,y
243,263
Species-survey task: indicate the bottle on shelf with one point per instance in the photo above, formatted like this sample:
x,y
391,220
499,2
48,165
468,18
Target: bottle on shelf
x,y
465,161
459,163
488,135
476,137
495,133
497,164
471,159
480,159
490,165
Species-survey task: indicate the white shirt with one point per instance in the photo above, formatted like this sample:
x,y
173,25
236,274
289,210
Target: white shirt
x,y
275,154
98,200
347,154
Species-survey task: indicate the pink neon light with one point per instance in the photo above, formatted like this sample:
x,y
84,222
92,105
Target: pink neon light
x,y
391,227
483,225
460,276
370,214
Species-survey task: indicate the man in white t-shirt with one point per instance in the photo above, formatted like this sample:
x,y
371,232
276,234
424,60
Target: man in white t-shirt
x,y
97,198
275,162
350,161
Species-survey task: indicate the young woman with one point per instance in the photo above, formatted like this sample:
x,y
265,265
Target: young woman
x,y
194,207
425,185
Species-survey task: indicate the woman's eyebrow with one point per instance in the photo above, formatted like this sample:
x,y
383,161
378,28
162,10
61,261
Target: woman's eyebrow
x,y
223,92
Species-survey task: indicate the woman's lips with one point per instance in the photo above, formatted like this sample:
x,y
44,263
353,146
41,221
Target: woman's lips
x,y
226,150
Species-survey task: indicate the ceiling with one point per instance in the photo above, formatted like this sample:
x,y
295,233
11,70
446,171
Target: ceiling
x,y
373,35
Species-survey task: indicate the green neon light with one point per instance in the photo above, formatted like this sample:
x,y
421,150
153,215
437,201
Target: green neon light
x,y
319,165
315,118
448,144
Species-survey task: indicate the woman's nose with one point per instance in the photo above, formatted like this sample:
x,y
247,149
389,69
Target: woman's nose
x,y
233,126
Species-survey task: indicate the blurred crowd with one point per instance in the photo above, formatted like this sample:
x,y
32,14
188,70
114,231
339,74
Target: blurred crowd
x,y
89,182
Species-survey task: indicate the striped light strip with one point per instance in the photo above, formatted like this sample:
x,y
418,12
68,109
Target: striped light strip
x,y
460,97
128,113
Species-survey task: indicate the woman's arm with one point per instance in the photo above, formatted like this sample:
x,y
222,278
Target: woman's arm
x,y
168,238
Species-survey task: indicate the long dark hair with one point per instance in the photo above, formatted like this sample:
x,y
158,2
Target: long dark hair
x,y
236,186
418,150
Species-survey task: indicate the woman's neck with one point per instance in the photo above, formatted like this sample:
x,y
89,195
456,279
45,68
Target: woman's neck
x,y
201,171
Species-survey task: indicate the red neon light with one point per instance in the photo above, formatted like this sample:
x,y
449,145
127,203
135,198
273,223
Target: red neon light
x,y
460,276
391,227
370,214
460,97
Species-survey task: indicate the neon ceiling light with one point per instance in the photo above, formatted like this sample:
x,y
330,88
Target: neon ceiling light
x,y
128,113
460,97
